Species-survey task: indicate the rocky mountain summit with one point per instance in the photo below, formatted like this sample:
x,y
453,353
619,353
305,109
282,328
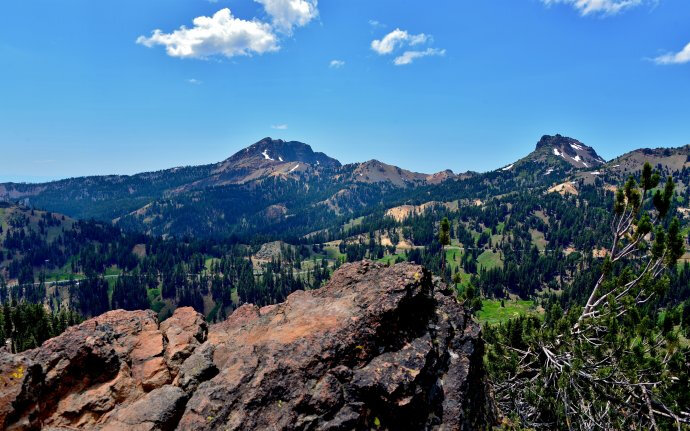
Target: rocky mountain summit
x,y
278,150
377,347
269,157
569,150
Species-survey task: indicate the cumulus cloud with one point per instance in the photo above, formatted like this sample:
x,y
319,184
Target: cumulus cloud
x,y
336,64
221,34
396,39
194,81
680,57
376,24
225,35
279,126
604,7
399,39
287,14
408,57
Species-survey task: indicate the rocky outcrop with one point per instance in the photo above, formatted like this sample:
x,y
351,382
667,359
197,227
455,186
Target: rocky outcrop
x,y
94,373
569,150
378,347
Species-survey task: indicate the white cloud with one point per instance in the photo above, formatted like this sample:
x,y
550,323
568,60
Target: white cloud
x,y
408,57
287,14
681,57
376,24
194,81
396,39
400,38
336,64
221,34
604,7
279,126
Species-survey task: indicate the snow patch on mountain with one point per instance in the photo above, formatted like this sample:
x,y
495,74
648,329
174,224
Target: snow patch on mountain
x,y
266,156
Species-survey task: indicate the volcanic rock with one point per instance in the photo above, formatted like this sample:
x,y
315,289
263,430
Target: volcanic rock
x,y
377,347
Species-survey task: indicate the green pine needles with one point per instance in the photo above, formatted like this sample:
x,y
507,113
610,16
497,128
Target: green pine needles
x,y
607,363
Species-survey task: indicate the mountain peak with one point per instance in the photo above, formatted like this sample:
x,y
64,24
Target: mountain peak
x,y
568,150
269,151
278,150
557,140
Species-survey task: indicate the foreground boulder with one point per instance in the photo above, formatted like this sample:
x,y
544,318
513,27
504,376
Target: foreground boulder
x,y
378,347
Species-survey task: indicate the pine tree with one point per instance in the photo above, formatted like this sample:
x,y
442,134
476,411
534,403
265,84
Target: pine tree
x,y
606,364
444,239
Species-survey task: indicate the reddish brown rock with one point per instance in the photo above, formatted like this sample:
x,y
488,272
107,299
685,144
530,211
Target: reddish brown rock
x,y
374,346
185,330
152,374
378,347
92,373
160,409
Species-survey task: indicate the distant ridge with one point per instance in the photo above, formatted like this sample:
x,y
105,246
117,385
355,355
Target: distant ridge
x,y
274,185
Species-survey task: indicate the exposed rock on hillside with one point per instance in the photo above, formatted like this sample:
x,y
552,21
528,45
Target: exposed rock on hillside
x,y
566,188
268,157
554,153
377,347
375,171
402,212
570,150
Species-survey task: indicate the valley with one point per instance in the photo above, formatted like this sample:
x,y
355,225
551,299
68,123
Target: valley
x,y
253,229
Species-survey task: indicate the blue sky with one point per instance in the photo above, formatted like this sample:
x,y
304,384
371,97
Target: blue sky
x,y
87,87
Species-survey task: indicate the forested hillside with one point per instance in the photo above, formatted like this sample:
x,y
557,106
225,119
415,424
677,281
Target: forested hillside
x,y
573,266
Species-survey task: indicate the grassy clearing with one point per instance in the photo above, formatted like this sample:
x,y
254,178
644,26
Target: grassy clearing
x,y
352,223
333,252
453,255
453,259
392,258
154,296
111,288
495,239
492,312
113,270
489,259
210,261
63,276
538,239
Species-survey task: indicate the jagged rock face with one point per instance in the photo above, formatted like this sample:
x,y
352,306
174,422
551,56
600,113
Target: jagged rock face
x,y
569,150
272,153
92,374
377,347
